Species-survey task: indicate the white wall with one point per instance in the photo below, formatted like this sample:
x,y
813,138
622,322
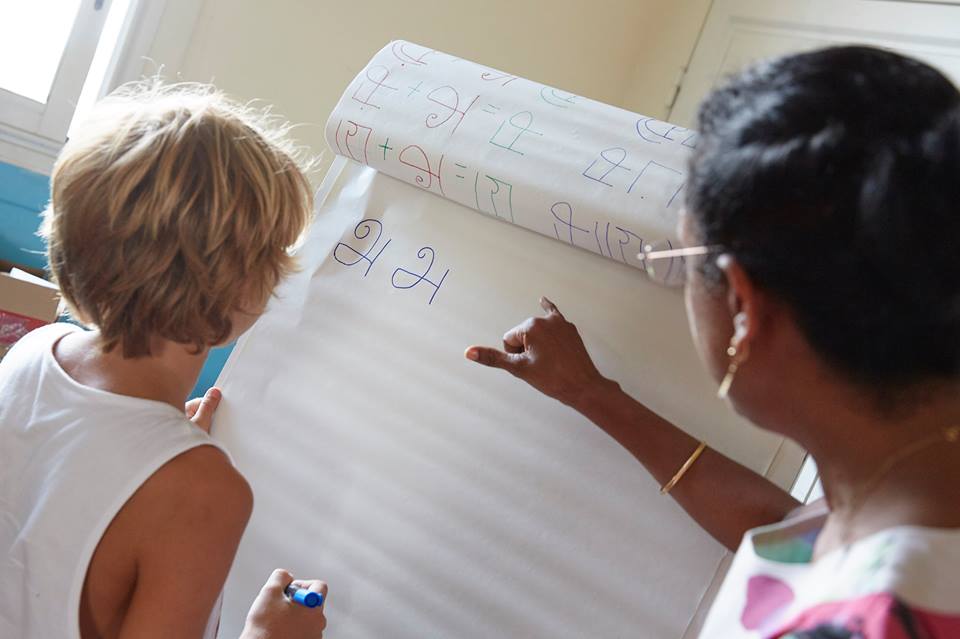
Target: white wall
x,y
299,55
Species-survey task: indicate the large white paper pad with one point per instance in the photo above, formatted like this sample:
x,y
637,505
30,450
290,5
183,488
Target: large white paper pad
x,y
440,498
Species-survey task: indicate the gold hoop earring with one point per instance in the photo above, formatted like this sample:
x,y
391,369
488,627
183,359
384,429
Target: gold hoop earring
x,y
736,359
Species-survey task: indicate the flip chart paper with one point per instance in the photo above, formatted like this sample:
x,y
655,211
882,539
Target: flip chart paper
x,y
437,497
440,498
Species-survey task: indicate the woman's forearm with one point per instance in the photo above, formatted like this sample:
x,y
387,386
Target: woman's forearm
x,y
724,497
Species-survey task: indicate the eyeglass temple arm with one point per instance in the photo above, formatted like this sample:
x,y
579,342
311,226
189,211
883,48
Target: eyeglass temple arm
x,y
680,252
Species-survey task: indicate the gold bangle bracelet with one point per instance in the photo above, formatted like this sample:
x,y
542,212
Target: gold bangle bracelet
x,y
683,469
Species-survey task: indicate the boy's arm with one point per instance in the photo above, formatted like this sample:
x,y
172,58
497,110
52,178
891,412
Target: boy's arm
x,y
190,517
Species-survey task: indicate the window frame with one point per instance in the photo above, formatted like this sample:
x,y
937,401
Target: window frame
x,y
41,128
32,134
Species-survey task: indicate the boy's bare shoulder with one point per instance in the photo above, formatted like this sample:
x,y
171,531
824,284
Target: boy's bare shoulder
x,y
170,547
199,507
191,516
199,484
196,503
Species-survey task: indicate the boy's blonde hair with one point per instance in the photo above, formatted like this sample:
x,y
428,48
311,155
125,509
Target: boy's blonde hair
x,y
172,210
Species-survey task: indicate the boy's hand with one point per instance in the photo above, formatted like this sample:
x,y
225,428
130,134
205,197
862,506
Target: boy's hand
x,y
273,616
200,409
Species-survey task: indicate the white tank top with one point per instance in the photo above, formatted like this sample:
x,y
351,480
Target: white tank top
x,y
70,457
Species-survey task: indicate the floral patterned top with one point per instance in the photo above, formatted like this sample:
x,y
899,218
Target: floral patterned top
x,y
898,583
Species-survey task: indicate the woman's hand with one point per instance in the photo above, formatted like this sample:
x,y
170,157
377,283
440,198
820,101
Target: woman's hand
x,y
200,410
547,353
274,616
720,494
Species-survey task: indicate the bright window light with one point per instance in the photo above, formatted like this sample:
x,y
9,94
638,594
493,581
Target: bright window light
x,y
33,35
106,48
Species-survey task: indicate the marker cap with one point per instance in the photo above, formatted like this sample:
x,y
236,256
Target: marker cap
x,y
304,597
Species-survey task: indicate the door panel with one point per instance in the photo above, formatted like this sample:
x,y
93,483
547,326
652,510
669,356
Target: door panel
x,y
738,32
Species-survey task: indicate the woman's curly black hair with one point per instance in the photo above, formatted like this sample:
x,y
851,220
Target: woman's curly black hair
x,y
833,177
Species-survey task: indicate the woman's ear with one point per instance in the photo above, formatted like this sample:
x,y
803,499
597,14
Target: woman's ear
x,y
743,302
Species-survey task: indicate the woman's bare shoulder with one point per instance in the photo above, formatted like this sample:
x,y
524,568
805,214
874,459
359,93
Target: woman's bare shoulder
x,y
816,507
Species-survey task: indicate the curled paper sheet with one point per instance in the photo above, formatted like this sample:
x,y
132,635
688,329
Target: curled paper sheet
x,y
585,173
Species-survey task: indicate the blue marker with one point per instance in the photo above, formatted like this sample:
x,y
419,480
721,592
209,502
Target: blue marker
x,y
303,596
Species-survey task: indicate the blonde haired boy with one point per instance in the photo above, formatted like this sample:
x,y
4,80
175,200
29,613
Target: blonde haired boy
x,y
171,217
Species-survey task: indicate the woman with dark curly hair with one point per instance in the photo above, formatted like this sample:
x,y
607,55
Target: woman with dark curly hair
x,y
823,292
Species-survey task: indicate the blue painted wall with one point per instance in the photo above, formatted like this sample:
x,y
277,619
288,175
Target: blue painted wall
x,y
211,369
23,196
